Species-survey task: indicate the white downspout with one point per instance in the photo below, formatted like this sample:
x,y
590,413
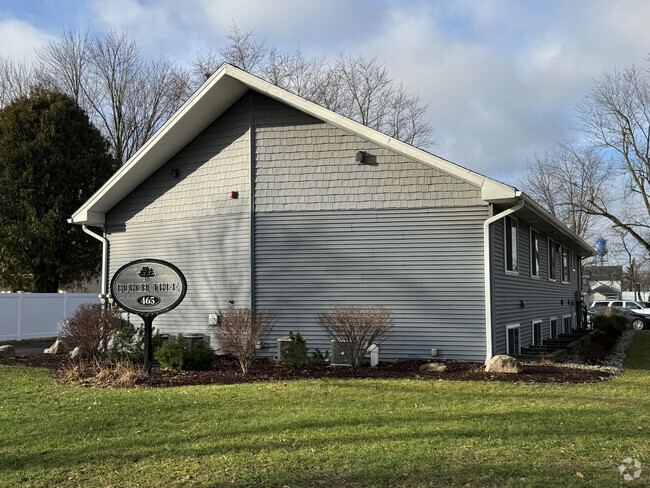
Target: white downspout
x,y
486,264
103,297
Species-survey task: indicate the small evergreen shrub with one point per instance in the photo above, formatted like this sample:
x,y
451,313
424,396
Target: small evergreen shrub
x,y
294,353
171,354
198,358
128,344
179,356
318,359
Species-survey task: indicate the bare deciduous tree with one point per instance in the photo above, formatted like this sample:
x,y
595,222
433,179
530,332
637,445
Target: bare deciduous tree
x,y
357,327
615,115
16,80
64,63
564,182
243,50
358,87
126,95
240,331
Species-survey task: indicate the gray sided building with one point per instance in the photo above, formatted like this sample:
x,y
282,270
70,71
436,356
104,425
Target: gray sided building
x,y
311,227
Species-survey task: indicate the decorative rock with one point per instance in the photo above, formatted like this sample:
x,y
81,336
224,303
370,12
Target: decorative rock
x,y
75,353
59,347
504,364
7,351
433,368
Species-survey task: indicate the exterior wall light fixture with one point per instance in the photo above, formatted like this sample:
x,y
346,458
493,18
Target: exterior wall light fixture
x,y
359,157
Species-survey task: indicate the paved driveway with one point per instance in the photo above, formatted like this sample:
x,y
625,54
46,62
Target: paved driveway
x,y
30,347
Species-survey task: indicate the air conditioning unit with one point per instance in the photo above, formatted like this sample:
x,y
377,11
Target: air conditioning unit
x,y
340,357
282,343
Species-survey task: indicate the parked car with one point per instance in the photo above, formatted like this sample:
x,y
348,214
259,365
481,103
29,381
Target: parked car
x,y
637,320
627,304
644,304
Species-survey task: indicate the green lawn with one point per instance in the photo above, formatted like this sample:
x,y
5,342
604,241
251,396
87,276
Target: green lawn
x,y
327,433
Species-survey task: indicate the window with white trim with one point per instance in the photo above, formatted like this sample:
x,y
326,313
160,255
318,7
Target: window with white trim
x,y
566,265
513,346
511,251
534,253
554,329
552,273
566,324
537,333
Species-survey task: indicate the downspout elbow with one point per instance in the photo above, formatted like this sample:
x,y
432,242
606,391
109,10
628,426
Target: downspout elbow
x,y
103,297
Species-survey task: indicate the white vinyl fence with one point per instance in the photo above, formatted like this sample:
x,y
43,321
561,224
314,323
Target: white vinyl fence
x,y
35,315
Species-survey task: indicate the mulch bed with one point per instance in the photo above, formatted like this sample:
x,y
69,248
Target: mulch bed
x,y
225,371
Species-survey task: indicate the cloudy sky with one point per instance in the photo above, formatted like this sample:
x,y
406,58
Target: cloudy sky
x,y
502,78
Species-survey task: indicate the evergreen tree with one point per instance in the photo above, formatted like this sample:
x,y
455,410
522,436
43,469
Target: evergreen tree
x,y
52,159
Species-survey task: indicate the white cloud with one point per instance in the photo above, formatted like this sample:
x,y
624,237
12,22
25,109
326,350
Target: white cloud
x,y
19,40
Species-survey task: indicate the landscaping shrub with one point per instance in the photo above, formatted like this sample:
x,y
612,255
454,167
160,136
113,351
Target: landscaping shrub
x,y
91,328
179,356
611,322
357,327
295,354
171,354
198,358
128,344
593,353
240,331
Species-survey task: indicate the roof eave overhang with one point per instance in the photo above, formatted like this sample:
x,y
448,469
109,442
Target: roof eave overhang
x,y
556,229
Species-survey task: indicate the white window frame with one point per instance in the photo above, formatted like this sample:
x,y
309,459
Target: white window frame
x,y
550,328
539,261
508,327
515,256
551,262
574,262
570,326
568,264
541,332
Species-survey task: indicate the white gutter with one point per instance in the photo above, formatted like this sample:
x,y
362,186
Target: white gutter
x,y
104,242
488,290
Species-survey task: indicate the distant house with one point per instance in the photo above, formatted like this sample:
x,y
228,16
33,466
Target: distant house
x,y
264,198
604,282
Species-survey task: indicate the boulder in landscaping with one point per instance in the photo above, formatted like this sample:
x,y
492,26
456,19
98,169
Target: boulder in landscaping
x,y
504,364
75,353
59,347
433,368
7,351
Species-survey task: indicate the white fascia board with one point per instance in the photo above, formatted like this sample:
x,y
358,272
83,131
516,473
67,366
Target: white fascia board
x,y
543,213
200,110
221,90
492,187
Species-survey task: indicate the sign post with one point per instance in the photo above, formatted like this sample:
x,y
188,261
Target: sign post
x,y
147,288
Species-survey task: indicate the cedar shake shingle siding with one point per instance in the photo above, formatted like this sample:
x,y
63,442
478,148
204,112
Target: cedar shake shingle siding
x,y
303,164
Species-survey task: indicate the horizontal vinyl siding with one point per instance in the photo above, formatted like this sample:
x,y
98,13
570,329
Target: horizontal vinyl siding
x,y
425,265
213,254
544,299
